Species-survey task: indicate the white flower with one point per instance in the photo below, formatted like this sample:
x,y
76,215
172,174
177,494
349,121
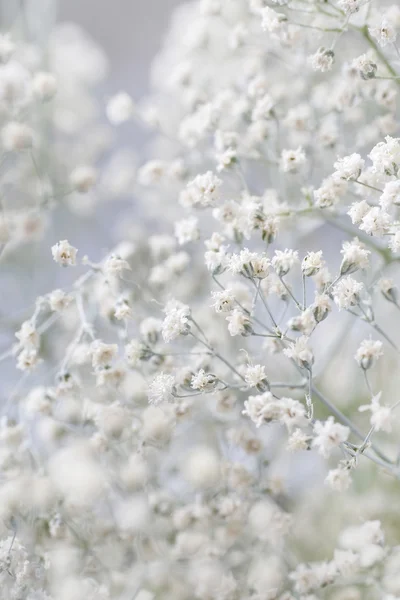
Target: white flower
x,y
391,194
64,254
350,6
202,190
300,352
176,323
322,60
224,301
59,300
255,376
292,160
384,34
16,136
262,408
102,354
249,264
381,416
320,307
239,323
161,389
346,292
312,263
44,86
203,381
358,210
375,222
28,336
368,353
284,260
135,352
385,156
339,479
365,65
120,108
355,256
330,192
272,21
349,167
329,435
115,265
187,230
83,178
298,440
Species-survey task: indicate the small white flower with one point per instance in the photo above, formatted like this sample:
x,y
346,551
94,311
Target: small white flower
x,y
381,416
202,190
187,230
255,376
284,260
120,108
322,60
44,86
349,167
224,301
239,323
300,352
384,34
375,222
368,353
292,160
329,435
64,254
176,323
161,389
355,257
312,263
83,178
203,381
59,300
16,137
339,479
102,354
346,292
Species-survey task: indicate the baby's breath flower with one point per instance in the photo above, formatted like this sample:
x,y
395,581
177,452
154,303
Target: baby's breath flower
x,y
120,108
300,352
161,389
349,167
329,435
312,263
64,254
284,260
239,323
355,257
368,353
292,160
381,416
346,292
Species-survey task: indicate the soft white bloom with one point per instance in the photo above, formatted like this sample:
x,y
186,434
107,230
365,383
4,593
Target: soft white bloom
x,y
292,160
312,263
329,435
255,376
381,416
115,265
273,22
59,300
375,222
64,254
284,260
339,479
365,65
135,352
16,136
44,86
305,322
320,307
346,292
239,323
187,230
83,178
202,190
349,167
385,156
120,108
322,60
355,257
368,353
249,264
102,354
176,323
391,194
203,381
298,440
350,6
330,192
358,210
28,336
224,301
384,34
262,408
300,352
161,389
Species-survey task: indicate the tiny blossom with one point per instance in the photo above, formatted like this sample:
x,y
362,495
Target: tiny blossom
x,y
16,136
224,301
64,254
187,230
255,376
350,6
305,322
329,435
249,264
385,156
339,479
83,178
322,60
355,257
239,323
272,21
375,222
320,307
284,260
203,381
262,409
135,352
28,335
202,190
381,416
358,211
330,192
365,65
292,160
346,292
115,265
388,289
44,86
312,263
59,300
150,329
120,108
176,323
368,353
391,194
161,389
384,34
102,354
349,167
298,440
300,352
